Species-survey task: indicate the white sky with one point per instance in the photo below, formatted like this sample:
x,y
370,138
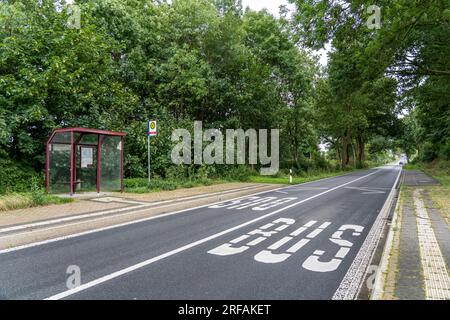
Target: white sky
x,y
271,5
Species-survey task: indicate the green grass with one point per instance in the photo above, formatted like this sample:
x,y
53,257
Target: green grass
x,y
140,185
14,201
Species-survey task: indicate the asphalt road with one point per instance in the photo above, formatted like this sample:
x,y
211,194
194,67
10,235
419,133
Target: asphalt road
x,y
307,241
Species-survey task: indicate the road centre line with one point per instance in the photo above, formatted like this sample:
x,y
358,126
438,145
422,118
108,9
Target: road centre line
x,y
145,263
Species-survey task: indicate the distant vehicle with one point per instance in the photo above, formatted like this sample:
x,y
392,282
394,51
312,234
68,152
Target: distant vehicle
x,y
401,163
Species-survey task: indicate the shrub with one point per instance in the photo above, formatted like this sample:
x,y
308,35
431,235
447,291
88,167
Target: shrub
x,y
37,193
428,153
445,151
17,178
239,173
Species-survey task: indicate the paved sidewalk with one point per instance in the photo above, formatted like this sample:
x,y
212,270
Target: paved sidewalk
x,y
420,253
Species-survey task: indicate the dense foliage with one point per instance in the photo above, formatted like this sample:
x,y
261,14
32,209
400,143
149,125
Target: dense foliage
x,y
211,60
405,61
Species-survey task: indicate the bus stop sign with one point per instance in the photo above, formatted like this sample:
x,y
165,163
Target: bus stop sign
x,y
152,128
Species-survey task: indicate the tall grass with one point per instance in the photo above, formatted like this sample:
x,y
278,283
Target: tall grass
x,y
13,201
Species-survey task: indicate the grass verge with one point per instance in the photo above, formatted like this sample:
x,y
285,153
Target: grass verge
x,y
440,170
141,185
14,201
284,179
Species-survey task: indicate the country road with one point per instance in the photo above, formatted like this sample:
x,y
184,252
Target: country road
x,y
308,241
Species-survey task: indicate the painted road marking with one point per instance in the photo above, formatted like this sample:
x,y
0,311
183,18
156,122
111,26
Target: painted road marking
x,y
120,200
255,202
227,249
148,262
308,188
367,190
312,263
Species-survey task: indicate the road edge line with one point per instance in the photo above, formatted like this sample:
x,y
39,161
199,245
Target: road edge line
x,y
380,278
351,283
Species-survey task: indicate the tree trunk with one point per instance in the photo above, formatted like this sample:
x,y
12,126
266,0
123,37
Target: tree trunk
x,y
354,154
360,144
346,141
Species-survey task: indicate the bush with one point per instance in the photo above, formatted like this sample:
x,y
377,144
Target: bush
x,y
239,173
445,151
135,183
428,153
17,178
176,172
37,193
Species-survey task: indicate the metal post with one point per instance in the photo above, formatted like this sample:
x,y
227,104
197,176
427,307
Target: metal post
x,y
71,163
47,167
122,141
148,148
99,157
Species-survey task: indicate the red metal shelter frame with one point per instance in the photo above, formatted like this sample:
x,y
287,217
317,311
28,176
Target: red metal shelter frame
x,y
73,145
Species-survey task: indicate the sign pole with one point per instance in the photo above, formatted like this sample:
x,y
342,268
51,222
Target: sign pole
x,y
148,148
152,132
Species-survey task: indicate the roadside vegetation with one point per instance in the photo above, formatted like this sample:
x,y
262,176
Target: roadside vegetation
x,y
384,91
35,197
13,201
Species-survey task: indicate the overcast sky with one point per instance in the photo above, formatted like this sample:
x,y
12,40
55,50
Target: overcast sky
x,y
271,5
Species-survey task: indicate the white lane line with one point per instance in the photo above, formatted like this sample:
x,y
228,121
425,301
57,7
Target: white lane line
x,y
189,246
151,205
309,189
116,199
353,279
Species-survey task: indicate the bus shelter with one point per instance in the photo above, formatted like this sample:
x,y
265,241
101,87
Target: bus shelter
x,y
84,160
